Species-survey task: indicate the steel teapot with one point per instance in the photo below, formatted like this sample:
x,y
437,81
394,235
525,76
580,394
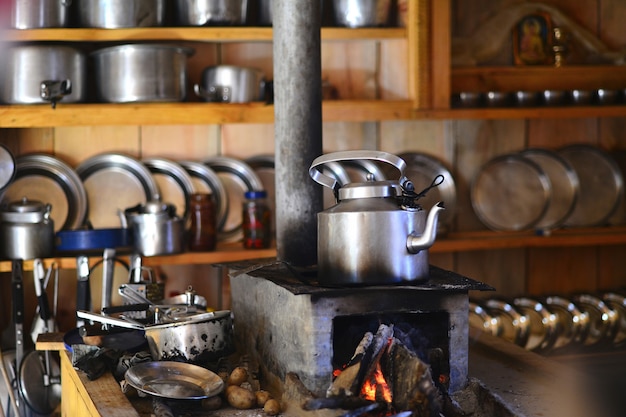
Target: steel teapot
x,y
155,228
376,233
26,230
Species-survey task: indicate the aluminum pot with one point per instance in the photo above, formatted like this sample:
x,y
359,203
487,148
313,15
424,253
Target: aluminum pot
x,y
112,14
180,334
361,13
231,84
155,228
31,74
377,233
36,14
26,230
211,12
141,73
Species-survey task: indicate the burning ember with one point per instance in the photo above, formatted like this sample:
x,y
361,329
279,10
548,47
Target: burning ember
x,y
384,375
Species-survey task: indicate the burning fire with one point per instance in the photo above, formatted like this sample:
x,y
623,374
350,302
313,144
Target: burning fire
x,y
376,387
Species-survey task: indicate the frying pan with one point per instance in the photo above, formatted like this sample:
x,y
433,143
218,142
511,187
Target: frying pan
x,y
96,240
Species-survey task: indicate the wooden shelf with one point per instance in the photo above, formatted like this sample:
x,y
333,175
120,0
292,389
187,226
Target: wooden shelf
x,y
539,112
453,242
43,115
191,34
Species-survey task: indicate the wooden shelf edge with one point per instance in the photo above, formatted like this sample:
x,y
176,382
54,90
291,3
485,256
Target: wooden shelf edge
x,y
545,112
453,242
93,114
192,34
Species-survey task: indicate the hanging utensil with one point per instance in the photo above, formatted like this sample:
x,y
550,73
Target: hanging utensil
x,y
108,259
44,320
83,292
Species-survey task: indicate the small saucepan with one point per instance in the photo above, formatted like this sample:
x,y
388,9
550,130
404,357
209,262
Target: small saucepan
x,y
232,84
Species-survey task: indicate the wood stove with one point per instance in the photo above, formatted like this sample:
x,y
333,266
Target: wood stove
x,y
288,324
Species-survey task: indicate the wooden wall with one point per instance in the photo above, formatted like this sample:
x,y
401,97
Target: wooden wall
x,y
371,69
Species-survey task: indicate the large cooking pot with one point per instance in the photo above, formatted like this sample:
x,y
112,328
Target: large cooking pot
x,y
36,14
211,12
361,13
155,228
26,230
141,73
111,14
377,233
231,84
32,74
181,334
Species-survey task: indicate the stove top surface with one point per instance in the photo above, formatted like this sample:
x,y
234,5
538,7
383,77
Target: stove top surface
x,y
304,280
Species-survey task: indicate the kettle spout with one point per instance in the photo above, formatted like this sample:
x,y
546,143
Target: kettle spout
x,y
415,243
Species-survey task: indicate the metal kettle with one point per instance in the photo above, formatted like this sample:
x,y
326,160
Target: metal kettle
x,y
155,228
376,233
26,230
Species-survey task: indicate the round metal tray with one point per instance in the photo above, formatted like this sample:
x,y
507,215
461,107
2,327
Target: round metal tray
x,y
115,182
175,184
206,180
510,193
48,179
601,184
564,186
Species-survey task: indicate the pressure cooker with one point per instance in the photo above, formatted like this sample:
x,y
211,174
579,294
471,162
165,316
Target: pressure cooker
x,y
377,233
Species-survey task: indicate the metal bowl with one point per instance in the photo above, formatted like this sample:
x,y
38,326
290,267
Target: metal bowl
x,y
467,99
526,98
604,96
580,97
553,97
497,99
361,13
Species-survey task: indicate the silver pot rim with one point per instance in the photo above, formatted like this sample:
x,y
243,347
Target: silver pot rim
x,y
144,46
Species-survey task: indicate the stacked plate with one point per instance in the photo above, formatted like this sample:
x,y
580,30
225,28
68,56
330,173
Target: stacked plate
x,y
92,195
577,185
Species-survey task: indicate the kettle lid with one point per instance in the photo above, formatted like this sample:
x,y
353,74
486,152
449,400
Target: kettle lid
x,y
370,189
25,210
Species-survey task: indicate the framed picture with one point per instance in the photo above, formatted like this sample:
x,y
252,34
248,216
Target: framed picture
x,y
532,40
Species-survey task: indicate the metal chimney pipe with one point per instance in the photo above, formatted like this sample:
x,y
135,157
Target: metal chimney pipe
x,y
298,127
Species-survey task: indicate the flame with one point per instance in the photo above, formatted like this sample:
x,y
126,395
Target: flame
x,y
376,384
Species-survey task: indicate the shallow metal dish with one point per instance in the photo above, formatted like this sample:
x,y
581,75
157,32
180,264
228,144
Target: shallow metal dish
x,y
511,193
206,180
46,178
174,380
115,182
601,184
237,178
564,190
175,184
422,169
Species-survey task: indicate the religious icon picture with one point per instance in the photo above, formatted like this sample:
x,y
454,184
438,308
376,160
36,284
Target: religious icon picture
x,y
532,40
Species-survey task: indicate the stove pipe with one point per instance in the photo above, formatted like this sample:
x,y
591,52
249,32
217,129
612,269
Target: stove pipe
x,y
298,127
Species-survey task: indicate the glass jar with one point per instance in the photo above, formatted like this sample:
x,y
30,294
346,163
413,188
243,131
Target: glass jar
x,y
202,228
256,221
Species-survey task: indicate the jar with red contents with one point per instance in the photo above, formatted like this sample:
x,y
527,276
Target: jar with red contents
x,y
256,221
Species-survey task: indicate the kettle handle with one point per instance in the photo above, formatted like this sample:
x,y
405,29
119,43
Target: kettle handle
x,y
327,181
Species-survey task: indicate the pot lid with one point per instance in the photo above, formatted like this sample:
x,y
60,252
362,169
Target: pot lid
x,y
25,210
370,189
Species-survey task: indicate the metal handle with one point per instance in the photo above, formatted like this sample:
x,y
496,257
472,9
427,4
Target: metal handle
x,y
55,90
323,179
215,93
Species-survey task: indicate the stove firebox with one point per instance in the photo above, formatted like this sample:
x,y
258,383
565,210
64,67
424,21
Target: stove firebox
x,y
288,324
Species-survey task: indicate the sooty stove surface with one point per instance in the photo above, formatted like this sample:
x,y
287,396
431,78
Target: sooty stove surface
x,y
288,324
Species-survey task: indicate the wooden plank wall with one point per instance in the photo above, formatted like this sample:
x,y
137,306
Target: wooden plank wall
x,y
369,69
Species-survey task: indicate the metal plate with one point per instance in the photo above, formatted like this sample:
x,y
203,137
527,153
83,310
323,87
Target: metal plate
x,y
115,182
263,165
510,193
175,184
48,179
7,167
564,186
205,180
601,184
422,169
237,178
174,380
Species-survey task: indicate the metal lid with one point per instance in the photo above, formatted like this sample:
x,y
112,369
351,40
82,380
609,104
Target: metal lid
x,y
25,211
370,189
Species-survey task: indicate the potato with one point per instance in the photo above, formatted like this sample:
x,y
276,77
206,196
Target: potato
x,y
240,398
238,376
212,403
261,397
272,407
